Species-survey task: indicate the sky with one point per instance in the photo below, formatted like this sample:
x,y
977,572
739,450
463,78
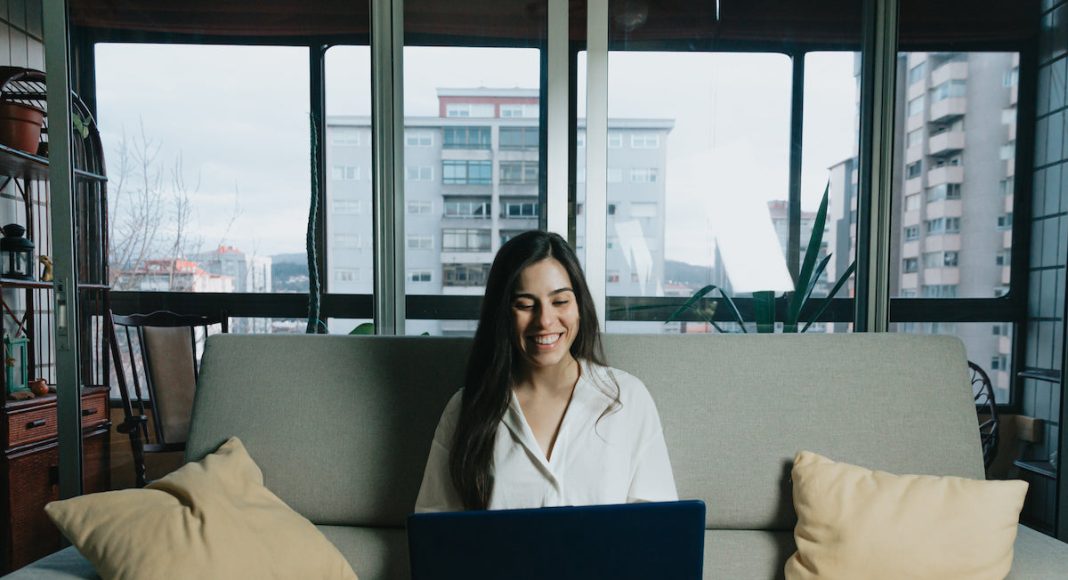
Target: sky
x,y
238,117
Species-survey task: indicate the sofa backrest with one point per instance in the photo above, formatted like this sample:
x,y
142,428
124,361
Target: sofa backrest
x,y
341,426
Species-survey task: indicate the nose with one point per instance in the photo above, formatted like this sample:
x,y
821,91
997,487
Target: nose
x,y
545,316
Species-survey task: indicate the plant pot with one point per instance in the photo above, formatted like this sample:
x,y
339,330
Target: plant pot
x,y
20,126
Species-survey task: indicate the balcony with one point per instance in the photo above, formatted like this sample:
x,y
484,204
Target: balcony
x,y
910,249
913,154
942,242
946,142
944,208
910,217
913,185
945,174
950,71
910,281
947,275
947,109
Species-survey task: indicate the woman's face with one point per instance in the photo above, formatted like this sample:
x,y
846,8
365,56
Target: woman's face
x,y
546,314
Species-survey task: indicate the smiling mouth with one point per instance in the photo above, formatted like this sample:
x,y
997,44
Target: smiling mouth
x,y
546,339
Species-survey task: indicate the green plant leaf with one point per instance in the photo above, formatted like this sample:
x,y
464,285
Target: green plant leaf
x,y
364,329
690,302
804,278
827,303
764,310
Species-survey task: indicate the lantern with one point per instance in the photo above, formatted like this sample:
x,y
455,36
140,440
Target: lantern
x,y
16,363
16,253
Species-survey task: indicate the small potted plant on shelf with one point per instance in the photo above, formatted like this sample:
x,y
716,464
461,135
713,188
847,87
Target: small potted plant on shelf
x,y
20,126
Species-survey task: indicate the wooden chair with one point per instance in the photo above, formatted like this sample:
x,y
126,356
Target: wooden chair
x,y
161,351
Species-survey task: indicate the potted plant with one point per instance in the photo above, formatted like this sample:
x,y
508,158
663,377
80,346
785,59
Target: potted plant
x,y
20,125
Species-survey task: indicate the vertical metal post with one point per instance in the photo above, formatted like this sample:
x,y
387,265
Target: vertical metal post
x,y
597,152
387,142
65,307
797,109
556,213
877,92
317,101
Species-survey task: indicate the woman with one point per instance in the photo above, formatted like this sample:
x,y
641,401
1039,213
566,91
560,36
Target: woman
x,y
542,421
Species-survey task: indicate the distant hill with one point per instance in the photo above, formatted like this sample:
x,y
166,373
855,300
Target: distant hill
x,y
300,258
289,276
688,274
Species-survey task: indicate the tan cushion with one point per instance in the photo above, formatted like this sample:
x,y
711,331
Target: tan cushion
x,y
209,519
857,523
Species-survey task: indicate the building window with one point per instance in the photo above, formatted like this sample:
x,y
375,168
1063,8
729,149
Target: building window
x,y
519,137
519,111
949,90
643,175
465,240
342,206
421,173
915,106
468,110
508,235
468,208
343,138
615,175
913,138
1003,258
612,276
643,209
912,233
999,362
521,209
943,191
345,173
943,225
1010,78
420,276
519,172
940,259
416,242
917,73
418,138
949,259
467,138
1005,221
420,207
939,291
912,202
611,209
1007,185
1008,151
465,274
467,172
913,170
644,141
615,140
909,265
346,275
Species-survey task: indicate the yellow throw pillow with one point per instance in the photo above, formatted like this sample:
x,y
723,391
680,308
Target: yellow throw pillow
x,y
209,519
858,523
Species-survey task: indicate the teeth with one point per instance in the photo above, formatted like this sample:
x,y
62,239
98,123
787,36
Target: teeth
x,y
547,339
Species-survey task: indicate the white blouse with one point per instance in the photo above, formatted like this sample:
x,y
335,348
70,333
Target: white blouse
x,y
618,458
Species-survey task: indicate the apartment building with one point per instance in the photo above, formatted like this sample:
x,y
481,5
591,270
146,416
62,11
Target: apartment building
x,y
472,181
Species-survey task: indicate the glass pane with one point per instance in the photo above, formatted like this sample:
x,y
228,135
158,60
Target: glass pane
x,y
205,194
988,344
349,218
472,155
956,148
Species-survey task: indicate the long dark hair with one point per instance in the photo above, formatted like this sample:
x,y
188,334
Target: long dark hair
x,y
494,364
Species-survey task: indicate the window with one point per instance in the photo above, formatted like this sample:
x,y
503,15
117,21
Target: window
x,y
943,191
615,139
516,111
915,106
419,138
612,276
644,141
1003,258
467,138
420,276
949,259
465,274
913,170
519,172
999,362
420,207
468,110
465,240
912,202
939,259
421,173
943,225
342,206
643,175
467,172
917,73
914,138
478,208
611,209
643,209
912,233
346,275
580,139
939,291
1007,185
949,90
345,173
1008,151
519,137
615,175
1005,221
520,209
1010,78
909,265
417,242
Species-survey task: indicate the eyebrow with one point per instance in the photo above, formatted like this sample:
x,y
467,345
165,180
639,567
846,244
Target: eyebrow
x,y
533,297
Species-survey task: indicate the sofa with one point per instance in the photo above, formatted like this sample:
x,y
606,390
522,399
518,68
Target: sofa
x,y
341,427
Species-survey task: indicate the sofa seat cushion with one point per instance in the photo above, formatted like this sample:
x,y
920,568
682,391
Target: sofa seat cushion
x,y
751,554
374,553
66,564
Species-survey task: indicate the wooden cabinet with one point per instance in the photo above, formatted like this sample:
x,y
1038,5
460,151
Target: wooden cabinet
x,y
28,472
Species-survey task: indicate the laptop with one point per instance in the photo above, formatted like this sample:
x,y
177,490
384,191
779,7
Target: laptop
x,y
662,540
